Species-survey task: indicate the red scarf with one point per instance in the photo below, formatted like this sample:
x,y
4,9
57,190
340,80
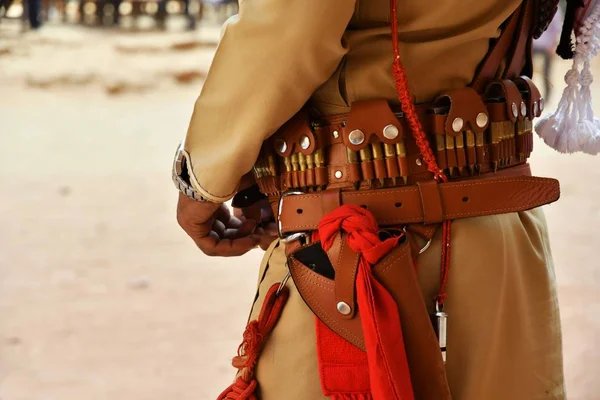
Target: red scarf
x,y
347,373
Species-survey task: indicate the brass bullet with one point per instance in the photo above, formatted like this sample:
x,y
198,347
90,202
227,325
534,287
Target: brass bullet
x,y
295,162
310,170
471,159
479,152
319,158
295,169
302,166
392,165
272,165
496,129
402,160
287,162
379,163
310,161
451,154
366,160
460,152
319,163
302,161
352,158
256,171
287,176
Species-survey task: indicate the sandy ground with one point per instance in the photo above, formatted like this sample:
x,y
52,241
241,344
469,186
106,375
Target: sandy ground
x,y
102,297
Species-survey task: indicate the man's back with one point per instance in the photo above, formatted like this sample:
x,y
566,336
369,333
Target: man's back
x,y
441,45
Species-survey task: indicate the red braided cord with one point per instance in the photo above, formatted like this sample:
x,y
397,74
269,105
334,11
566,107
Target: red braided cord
x,y
408,107
412,117
240,390
253,341
445,268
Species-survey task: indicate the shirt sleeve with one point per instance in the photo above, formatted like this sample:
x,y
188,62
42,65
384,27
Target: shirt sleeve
x,y
270,60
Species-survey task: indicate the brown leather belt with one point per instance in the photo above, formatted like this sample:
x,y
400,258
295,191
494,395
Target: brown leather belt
x,y
426,202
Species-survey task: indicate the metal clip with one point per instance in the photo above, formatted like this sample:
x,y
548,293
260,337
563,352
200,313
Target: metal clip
x,y
441,328
293,236
283,281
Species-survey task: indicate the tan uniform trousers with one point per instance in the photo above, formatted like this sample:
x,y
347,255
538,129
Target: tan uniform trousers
x,y
504,337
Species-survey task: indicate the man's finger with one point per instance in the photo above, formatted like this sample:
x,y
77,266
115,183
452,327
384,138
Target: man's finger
x,y
219,227
214,246
246,229
266,240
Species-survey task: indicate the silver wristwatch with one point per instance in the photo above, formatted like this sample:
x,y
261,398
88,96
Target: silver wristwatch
x,y
181,176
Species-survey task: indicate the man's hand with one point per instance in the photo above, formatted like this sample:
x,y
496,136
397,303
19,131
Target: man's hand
x,y
262,213
214,230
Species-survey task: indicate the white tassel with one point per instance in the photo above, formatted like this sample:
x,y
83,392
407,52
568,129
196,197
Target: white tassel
x,y
573,127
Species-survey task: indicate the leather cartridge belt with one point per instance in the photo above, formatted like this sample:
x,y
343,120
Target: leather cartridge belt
x,y
372,146
428,202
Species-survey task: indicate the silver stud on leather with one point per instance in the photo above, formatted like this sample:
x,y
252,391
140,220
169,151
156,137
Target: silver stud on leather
x,y
356,137
419,161
542,104
481,120
338,174
390,132
458,124
523,109
535,108
280,145
515,110
336,134
304,142
343,308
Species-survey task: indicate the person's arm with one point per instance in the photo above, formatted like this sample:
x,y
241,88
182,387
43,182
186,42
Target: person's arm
x,y
269,62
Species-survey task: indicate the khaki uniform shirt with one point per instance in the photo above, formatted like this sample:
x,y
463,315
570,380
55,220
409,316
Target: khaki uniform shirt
x,y
278,54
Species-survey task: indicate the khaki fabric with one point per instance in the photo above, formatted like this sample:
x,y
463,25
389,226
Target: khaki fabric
x,y
504,338
278,54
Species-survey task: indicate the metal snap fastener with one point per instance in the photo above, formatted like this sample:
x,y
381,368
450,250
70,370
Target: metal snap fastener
x,y
542,103
280,145
343,308
336,134
523,109
458,124
304,142
390,132
535,109
481,120
515,110
419,161
338,174
356,137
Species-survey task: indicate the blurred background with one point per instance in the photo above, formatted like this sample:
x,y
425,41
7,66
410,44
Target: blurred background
x,y
102,296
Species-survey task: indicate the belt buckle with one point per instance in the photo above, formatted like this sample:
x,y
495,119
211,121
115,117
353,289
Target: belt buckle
x,y
293,236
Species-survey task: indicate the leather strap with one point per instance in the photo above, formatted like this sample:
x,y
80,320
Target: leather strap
x,y
491,64
404,205
431,201
345,263
518,56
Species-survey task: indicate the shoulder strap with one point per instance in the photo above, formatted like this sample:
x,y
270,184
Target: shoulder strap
x,y
520,55
512,42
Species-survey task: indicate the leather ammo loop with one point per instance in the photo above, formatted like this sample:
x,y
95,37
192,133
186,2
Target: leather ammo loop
x,y
431,202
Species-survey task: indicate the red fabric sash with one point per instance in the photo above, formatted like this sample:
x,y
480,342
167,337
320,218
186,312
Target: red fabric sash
x,y
347,373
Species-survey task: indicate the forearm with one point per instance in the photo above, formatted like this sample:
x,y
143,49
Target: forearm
x,y
268,64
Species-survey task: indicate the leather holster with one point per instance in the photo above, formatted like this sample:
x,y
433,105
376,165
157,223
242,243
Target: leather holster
x,y
396,271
